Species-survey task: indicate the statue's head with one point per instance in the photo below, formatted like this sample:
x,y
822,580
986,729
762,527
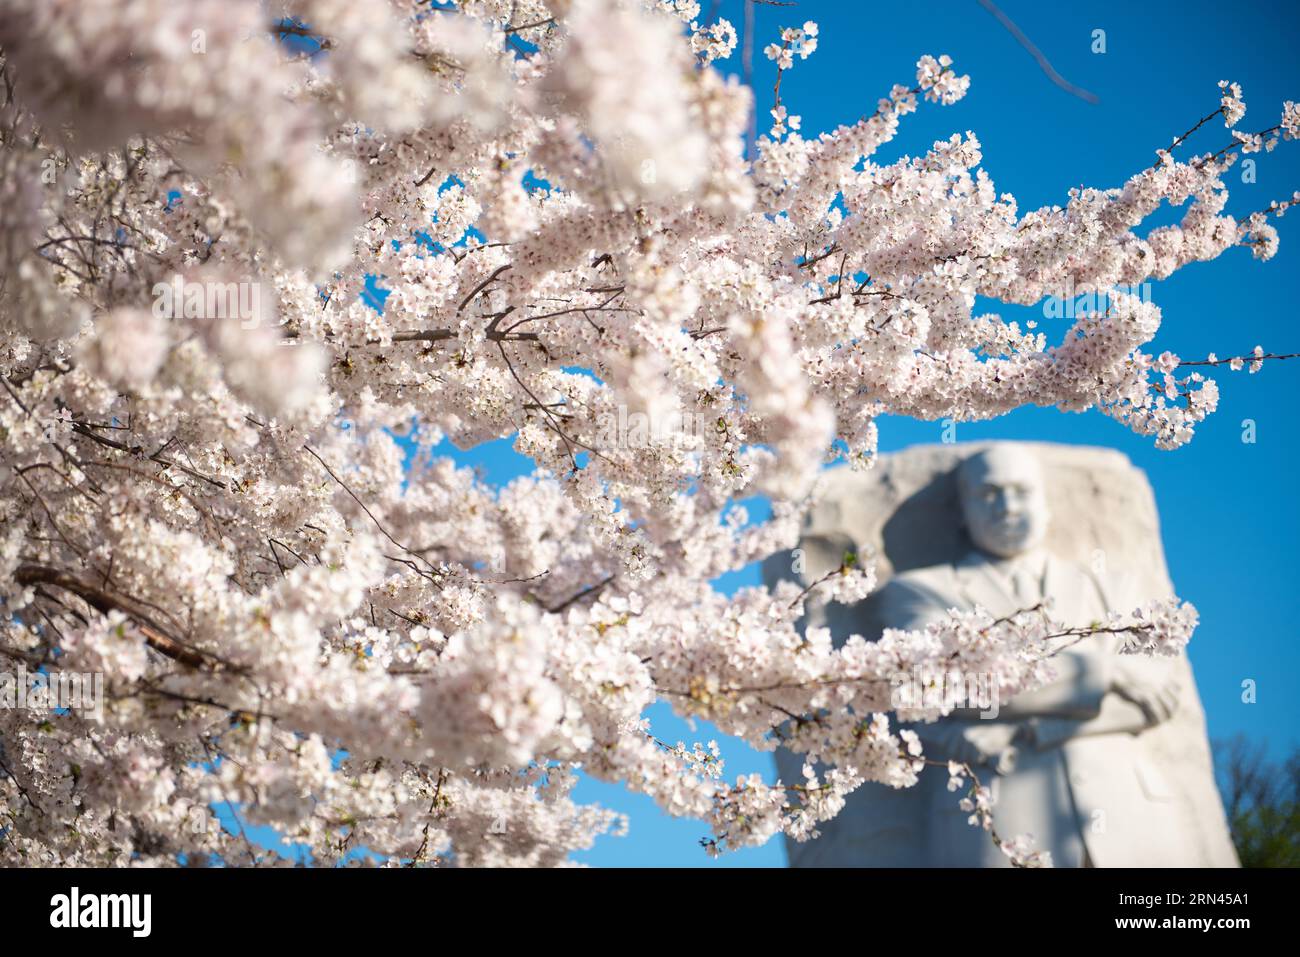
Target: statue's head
x,y
1004,500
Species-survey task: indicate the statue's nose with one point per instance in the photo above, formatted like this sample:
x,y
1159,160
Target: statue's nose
x,y
1007,508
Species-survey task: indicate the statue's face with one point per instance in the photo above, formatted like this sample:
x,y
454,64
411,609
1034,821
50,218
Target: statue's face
x,y
1004,501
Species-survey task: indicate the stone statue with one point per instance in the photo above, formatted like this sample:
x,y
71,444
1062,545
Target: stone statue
x,y
1108,766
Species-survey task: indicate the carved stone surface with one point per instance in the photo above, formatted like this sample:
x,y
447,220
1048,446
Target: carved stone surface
x,y
1106,782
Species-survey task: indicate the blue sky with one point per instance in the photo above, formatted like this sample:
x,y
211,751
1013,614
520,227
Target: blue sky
x,y
1229,511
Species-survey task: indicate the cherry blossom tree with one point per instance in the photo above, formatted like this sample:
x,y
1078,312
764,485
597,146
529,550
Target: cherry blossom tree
x,y
203,494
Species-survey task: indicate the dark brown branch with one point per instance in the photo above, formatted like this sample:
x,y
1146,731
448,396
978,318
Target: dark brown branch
x,y
105,602
481,286
589,590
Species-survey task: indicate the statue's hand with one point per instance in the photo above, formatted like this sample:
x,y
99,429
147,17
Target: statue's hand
x,y
1151,689
976,743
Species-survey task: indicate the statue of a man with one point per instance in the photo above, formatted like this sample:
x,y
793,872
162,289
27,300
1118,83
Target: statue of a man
x,y
1072,763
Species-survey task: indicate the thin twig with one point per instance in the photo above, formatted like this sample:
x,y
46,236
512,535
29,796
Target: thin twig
x,y
1037,54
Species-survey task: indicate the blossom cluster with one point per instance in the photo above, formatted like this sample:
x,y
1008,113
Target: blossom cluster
x,y
800,40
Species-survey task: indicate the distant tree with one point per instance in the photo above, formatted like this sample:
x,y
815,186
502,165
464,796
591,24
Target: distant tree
x,y
1262,798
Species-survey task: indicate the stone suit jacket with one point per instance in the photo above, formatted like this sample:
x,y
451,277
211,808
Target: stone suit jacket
x,y
1107,800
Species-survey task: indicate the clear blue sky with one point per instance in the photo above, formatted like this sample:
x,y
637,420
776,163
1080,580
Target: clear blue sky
x,y
1229,510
